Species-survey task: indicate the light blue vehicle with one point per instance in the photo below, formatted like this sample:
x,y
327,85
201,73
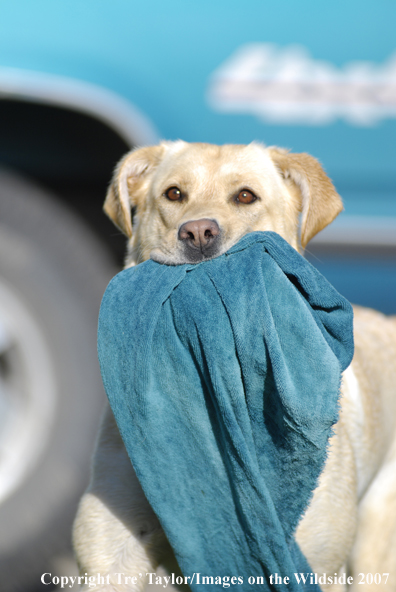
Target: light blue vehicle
x,y
83,82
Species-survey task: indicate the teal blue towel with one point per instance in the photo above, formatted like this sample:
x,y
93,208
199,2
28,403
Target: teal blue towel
x,y
224,379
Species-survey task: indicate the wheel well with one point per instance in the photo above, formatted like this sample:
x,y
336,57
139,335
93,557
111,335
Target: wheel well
x,y
70,153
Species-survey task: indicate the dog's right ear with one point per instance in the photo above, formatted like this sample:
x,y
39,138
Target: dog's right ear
x,y
126,187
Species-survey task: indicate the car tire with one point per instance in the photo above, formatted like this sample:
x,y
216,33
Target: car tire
x,y
53,272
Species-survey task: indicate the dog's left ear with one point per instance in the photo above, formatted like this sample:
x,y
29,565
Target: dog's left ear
x,y
320,202
127,185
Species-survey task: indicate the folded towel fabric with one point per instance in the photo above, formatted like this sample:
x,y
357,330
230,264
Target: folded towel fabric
x,y
224,380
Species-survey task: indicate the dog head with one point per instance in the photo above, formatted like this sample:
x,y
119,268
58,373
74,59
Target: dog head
x,y
184,203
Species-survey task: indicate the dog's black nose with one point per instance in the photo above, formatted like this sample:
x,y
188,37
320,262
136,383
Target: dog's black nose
x,y
199,233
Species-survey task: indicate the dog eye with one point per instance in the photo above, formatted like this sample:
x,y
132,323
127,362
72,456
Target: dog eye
x,y
174,194
245,197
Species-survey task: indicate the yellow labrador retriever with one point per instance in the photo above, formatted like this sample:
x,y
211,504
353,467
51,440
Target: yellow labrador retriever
x,y
191,202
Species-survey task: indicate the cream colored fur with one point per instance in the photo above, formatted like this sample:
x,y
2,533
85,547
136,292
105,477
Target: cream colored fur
x,y
351,521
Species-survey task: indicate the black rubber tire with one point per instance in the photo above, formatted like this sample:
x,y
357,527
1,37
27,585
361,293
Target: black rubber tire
x,y
60,270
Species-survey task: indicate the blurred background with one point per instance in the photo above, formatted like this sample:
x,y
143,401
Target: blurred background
x,y
83,82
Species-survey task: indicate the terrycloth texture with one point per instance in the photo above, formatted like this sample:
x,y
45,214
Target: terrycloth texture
x,y
224,379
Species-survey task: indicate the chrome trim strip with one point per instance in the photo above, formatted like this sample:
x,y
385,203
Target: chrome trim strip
x,y
376,231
